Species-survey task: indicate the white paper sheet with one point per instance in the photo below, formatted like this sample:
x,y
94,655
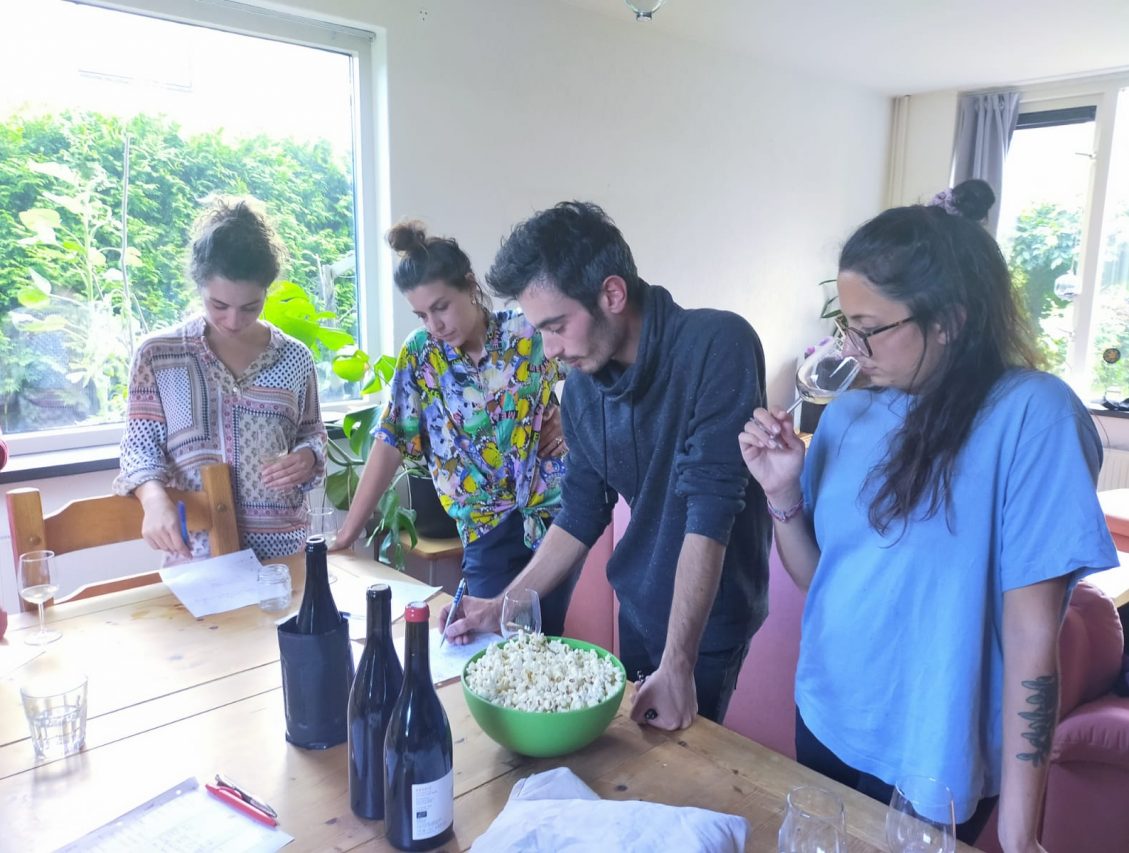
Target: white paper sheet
x,y
217,584
352,600
184,818
448,660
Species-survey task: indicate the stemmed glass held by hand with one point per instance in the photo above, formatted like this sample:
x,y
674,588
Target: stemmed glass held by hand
x,y
825,373
37,585
921,818
521,611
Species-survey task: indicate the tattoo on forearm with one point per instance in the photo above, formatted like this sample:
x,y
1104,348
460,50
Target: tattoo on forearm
x,y
1041,718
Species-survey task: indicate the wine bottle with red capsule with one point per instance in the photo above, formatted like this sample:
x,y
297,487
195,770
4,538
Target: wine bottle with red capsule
x,y
419,776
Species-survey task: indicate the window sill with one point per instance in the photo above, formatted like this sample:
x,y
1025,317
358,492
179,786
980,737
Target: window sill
x,y
60,463
1100,411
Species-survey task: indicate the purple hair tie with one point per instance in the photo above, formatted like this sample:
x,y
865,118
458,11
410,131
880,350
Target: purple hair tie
x,y
945,199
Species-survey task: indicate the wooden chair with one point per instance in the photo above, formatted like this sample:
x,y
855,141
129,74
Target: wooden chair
x,y
110,519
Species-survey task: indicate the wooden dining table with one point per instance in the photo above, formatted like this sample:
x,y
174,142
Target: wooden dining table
x,y
172,696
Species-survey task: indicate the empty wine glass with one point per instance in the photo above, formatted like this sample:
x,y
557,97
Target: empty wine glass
x,y
825,373
921,818
37,585
814,822
521,611
323,522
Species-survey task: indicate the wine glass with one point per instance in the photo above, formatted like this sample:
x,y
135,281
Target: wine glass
x,y
921,818
521,611
323,522
814,822
825,373
37,585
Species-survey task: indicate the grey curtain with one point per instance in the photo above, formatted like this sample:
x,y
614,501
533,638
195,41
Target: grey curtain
x,y
985,123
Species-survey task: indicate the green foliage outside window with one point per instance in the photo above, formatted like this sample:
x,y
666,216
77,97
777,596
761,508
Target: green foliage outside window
x,y
77,290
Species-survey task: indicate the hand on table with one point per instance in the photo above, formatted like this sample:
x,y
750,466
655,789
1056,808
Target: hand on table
x,y
290,470
479,615
672,697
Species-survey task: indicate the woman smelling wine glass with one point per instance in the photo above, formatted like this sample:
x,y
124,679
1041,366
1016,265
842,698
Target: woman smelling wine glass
x,y
930,627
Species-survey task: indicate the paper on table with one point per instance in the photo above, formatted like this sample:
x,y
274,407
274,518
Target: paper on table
x,y
448,660
215,585
183,818
353,602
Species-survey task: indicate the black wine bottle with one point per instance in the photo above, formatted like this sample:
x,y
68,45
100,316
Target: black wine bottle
x,y
375,690
317,613
419,779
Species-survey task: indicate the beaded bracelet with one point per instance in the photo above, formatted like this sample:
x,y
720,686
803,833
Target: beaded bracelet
x,y
784,515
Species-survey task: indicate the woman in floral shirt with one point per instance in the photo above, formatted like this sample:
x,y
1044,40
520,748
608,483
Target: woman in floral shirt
x,y
226,387
472,400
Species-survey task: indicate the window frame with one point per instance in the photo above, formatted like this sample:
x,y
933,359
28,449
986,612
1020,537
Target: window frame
x,y
371,203
1101,93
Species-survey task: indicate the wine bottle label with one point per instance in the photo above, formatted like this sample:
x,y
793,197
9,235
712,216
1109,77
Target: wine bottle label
x,y
433,807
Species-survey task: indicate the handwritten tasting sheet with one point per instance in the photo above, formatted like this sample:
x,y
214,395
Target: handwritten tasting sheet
x,y
184,818
215,585
350,598
448,660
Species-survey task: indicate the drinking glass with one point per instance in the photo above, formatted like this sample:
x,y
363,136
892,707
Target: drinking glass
x,y
323,522
825,373
921,817
521,611
274,586
55,708
814,822
37,585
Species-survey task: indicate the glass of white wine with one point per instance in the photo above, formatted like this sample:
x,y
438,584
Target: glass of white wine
x,y
825,374
38,585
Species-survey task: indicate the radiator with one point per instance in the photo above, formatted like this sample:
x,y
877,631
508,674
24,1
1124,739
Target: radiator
x,y
1115,470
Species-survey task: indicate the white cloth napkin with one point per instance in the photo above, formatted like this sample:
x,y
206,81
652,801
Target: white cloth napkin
x,y
556,812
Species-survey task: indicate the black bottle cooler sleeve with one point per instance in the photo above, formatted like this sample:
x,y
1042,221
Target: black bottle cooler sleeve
x,y
317,672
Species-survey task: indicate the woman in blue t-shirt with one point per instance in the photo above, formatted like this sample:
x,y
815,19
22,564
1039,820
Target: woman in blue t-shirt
x,y
938,522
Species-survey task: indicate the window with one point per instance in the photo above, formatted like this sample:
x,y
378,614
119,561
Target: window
x,y
109,140
1064,228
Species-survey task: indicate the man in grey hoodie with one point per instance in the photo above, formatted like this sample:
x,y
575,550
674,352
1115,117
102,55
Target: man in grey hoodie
x,y
653,404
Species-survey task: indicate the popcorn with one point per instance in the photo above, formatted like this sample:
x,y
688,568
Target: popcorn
x,y
533,673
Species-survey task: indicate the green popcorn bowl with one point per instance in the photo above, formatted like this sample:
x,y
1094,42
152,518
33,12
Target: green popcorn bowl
x,y
545,734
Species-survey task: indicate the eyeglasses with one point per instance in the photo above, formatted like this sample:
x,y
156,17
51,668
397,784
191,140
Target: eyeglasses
x,y
859,339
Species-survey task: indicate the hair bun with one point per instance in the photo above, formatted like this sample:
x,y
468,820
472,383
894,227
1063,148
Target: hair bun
x,y
973,199
405,237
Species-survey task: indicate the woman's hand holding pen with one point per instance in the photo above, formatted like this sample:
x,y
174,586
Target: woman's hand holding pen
x,y
478,615
160,525
666,699
772,451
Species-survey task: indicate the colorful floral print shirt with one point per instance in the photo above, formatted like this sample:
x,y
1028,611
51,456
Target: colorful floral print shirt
x,y
477,426
187,410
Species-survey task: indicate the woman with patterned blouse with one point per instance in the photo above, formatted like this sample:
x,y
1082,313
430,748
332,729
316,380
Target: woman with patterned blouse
x,y
226,387
472,400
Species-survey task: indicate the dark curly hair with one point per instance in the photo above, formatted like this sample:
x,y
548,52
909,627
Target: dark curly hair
x,y
573,246
949,272
424,259
234,238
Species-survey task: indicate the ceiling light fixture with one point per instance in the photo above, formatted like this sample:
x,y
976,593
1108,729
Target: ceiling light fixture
x,y
644,9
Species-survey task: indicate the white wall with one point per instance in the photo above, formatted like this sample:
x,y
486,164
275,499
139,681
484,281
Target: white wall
x,y
734,182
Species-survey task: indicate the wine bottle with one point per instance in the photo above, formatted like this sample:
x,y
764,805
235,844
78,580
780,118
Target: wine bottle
x,y
375,690
419,776
317,614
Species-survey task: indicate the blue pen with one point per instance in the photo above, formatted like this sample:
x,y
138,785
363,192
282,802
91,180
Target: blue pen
x,y
459,590
182,511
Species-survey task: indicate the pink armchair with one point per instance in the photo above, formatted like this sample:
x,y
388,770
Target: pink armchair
x,y
1087,801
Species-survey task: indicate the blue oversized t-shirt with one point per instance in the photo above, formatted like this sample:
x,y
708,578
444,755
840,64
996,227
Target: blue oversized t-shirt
x,y
901,657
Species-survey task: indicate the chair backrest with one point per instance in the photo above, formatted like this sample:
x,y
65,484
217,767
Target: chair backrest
x,y
110,519
1090,647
